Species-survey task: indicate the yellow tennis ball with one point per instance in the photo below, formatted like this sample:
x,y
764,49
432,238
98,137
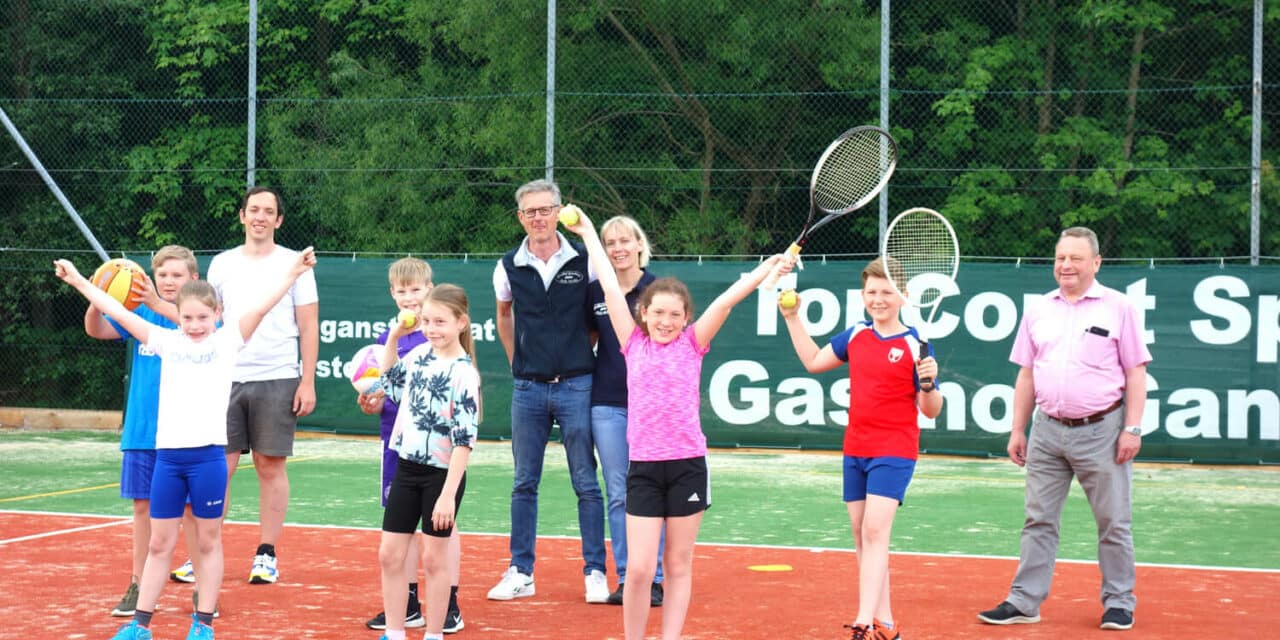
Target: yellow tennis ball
x,y
407,318
569,215
788,299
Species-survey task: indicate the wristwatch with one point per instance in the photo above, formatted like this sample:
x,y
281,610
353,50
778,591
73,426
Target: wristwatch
x,y
1134,429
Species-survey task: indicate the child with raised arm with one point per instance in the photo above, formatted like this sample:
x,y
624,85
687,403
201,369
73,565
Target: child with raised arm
x,y
195,382
667,482
410,280
172,266
437,387
882,441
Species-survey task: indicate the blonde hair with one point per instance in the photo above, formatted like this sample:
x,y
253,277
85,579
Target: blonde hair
x,y
200,291
876,269
408,271
175,252
454,298
627,224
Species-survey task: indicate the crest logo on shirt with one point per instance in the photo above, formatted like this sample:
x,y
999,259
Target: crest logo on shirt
x,y
145,350
570,277
895,354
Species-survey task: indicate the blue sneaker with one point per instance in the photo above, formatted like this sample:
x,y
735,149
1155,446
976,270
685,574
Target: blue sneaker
x,y
198,631
133,631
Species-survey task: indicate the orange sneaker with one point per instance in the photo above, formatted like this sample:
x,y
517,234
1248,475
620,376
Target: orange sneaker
x,y
885,633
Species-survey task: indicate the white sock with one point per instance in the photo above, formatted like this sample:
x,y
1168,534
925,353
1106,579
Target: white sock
x,y
392,634
433,636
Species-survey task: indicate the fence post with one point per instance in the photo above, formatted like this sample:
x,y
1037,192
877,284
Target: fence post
x,y
1255,164
884,103
551,91
252,122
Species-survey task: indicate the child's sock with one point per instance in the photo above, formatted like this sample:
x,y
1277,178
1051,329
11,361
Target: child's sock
x,y
413,595
453,598
205,619
143,618
267,549
433,636
393,635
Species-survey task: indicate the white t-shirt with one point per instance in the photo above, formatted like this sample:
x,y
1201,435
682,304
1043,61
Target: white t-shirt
x,y
195,386
243,282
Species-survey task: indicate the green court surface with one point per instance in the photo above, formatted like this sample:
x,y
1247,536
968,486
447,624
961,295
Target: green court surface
x,y
1185,515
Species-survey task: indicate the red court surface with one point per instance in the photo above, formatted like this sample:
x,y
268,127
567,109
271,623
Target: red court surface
x,y
63,585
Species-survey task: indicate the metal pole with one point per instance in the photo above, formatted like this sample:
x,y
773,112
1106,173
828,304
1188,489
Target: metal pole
x,y
551,91
1255,164
252,119
884,103
53,186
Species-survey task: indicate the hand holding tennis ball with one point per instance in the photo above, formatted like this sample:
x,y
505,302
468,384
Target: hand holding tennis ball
x,y
569,215
788,299
407,318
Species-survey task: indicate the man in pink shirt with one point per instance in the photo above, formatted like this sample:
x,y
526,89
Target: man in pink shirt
x,y
1084,368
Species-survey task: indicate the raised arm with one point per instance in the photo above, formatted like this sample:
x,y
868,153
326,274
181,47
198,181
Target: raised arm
x,y
135,325
709,323
614,298
814,358
252,318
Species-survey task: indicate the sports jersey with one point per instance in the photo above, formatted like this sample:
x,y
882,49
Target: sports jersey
x,y
143,398
195,386
882,391
439,405
663,420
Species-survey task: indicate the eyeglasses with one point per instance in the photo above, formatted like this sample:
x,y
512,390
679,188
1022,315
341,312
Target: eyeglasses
x,y
538,212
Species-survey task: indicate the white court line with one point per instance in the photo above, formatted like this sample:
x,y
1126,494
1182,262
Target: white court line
x,y
706,543
60,532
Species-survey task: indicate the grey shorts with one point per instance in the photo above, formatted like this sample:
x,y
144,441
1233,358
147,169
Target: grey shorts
x,y
260,417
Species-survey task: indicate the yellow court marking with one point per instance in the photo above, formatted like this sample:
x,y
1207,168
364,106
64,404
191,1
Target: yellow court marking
x,y
768,568
65,492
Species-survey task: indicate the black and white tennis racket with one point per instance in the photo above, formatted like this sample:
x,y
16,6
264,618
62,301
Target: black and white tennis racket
x,y
849,174
921,254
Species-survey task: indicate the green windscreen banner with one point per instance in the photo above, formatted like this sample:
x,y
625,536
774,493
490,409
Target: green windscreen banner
x,y
1213,331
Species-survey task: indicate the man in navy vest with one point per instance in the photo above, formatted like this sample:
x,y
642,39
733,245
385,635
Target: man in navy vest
x,y
543,310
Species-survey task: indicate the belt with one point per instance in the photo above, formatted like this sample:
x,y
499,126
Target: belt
x,y
1097,417
556,379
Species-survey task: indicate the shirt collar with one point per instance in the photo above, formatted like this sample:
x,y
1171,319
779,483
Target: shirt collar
x,y
1094,291
566,252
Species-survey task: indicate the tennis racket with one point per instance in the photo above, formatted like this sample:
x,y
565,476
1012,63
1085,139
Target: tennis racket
x,y
849,174
921,254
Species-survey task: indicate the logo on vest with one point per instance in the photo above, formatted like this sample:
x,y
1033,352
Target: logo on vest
x,y
895,354
570,277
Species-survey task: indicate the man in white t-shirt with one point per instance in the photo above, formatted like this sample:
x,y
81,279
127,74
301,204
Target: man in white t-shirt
x,y
269,392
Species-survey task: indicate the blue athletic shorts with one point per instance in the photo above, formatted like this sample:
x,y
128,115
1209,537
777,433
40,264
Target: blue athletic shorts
x,y
886,476
136,469
198,472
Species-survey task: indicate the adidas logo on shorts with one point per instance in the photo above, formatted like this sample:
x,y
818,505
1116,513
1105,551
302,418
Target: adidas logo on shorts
x,y
694,498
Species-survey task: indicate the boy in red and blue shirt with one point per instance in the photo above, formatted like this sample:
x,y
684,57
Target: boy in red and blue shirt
x,y
882,440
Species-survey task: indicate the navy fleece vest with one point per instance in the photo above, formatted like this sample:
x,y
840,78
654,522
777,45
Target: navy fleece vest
x,y
550,323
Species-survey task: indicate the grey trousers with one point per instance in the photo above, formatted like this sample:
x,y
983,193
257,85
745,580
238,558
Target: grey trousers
x,y
1055,454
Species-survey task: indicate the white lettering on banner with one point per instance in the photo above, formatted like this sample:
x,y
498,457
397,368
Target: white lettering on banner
x,y
741,393
1006,316
1235,314
1268,328
1137,294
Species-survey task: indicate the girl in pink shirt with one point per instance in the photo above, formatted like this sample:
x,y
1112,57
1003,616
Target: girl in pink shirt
x,y
667,480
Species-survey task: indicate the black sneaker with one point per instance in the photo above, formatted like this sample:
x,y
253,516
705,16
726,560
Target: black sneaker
x,y
1006,613
655,595
616,596
453,621
1120,619
378,622
412,620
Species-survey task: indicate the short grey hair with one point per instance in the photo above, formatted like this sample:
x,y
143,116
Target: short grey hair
x,y
538,186
627,224
1082,232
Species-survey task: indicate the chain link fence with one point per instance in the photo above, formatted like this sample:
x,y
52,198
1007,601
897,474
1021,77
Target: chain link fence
x,y
404,126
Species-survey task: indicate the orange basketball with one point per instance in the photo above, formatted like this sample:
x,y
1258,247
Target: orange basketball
x,y
117,277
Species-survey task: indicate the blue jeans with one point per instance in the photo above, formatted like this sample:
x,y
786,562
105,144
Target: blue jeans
x,y
533,407
609,429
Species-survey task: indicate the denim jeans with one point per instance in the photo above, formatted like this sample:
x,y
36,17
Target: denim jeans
x,y
609,429
533,407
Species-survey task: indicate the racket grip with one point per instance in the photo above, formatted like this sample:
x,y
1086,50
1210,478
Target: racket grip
x,y
772,281
926,384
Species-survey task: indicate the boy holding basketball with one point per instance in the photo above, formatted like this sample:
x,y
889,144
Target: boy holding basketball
x,y
881,442
173,266
410,280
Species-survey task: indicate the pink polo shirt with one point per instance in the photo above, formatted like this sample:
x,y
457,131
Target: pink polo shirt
x,y
1078,352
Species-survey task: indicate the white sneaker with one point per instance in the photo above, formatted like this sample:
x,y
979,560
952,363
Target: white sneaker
x,y
265,570
185,573
513,585
597,587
